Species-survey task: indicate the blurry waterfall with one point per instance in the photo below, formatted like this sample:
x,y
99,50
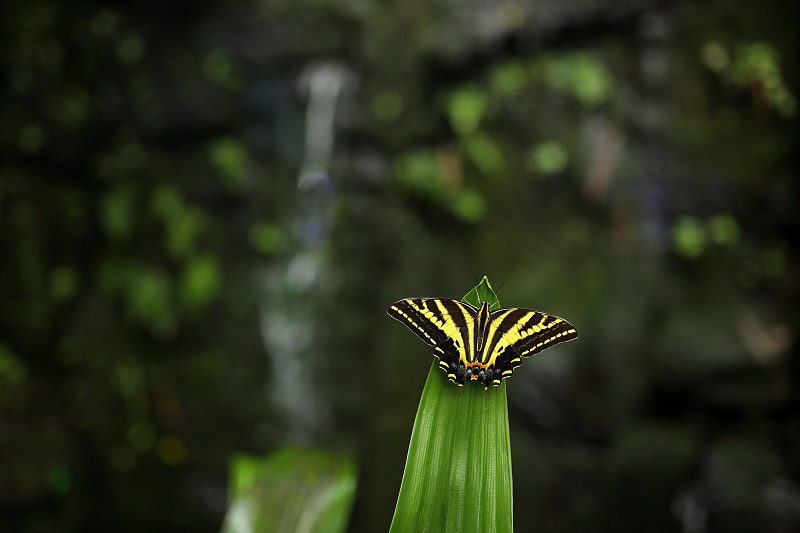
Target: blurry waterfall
x,y
288,318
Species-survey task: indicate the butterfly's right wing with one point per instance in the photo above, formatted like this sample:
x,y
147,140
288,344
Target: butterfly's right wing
x,y
515,333
445,324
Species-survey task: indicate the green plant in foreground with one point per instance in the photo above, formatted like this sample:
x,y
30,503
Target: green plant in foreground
x,y
458,470
293,490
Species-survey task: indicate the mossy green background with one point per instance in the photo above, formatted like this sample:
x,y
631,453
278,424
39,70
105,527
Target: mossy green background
x,y
206,208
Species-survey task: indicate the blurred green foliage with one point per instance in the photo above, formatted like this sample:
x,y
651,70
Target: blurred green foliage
x,y
582,76
291,491
229,159
630,165
758,63
466,108
549,157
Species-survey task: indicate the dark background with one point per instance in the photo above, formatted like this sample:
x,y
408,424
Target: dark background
x,y
206,207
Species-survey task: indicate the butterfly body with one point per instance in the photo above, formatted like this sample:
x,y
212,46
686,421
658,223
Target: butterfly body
x,y
477,343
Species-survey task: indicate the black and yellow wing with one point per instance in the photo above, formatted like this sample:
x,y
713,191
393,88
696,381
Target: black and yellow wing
x,y
445,324
474,343
515,333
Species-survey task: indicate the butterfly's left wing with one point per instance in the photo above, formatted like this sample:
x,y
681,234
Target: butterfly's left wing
x,y
515,333
445,324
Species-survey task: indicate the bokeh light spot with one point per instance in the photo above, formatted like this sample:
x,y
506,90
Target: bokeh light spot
x,y
63,283
466,108
117,212
759,63
508,78
141,435
484,153
267,238
128,379
59,479
583,76
12,371
388,106
201,282
775,263
104,22
130,50
548,158
715,56
31,138
171,450
229,159
688,236
724,229
220,67
469,205
150,300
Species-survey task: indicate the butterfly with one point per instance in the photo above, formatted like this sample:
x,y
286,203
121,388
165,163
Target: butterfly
x,y
477,343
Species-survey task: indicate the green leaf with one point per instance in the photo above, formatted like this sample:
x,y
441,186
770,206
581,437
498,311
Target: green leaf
x,y
484,153
268,238
548,157
292,490
150,295
118,211
388,106
689,237
469,205
466,108
458,470
229,158
508,79
482,292
222,68
63,283
200,283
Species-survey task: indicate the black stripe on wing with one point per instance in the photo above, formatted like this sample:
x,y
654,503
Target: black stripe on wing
x,y
443,323
412,313
434,320
515,333
539,331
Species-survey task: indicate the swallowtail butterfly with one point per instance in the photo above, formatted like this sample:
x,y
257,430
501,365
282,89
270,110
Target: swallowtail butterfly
x,y
476,343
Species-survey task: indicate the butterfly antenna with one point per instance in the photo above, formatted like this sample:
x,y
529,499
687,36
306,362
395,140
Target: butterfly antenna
x,y
500,287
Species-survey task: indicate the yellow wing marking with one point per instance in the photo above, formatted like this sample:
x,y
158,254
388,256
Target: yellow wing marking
x,y
501,344
518,331
513,334
441,320
548,341
449,327
412,322
457,334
